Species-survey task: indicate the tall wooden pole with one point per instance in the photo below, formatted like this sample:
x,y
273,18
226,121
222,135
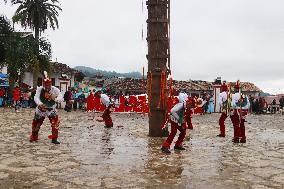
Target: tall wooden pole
x,y
158,70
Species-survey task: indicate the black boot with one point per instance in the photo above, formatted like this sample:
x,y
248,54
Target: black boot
x,y
235,140
179,148
55,141
243,140
220,135
109,126
165,150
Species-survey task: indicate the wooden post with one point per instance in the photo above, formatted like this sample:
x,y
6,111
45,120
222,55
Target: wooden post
x,y
158,57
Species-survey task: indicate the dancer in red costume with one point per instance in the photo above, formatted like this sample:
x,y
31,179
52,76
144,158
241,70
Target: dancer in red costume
x,y
90,102
108,106
177,121
189,111
225,109
46,98
240,107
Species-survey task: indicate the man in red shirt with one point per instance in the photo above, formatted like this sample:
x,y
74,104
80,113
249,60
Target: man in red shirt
x,y
17,98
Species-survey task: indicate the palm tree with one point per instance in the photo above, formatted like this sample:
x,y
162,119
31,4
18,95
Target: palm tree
x,y
37,14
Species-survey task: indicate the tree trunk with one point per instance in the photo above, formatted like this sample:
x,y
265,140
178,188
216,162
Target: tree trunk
x,y
37,34
35,72
12,77
35,79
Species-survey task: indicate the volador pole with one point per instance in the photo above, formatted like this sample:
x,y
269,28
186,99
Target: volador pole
x,y
158,57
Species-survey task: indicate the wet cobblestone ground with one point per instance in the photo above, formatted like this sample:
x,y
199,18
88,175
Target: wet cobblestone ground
x,y
91,156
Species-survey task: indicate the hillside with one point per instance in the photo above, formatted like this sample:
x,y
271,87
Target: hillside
x,y
89,72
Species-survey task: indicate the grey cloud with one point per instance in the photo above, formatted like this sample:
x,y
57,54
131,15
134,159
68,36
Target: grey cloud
x,y
208,38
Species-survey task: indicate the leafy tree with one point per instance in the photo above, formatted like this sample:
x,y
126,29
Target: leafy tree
x,y
79,76
21,53
37,15
5,30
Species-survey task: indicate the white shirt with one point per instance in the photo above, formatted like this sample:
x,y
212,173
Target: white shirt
x,y
53,91
105,100
235,99
222,98
174,116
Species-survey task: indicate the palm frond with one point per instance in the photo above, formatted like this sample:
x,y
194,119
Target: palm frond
x,y
37,15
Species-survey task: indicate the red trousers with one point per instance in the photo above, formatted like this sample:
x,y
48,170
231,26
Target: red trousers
x,y
106,117
188,119
239,126
174,128
222,123
37,122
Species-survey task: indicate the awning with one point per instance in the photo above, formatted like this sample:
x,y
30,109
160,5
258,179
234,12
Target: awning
x,y
4,81
3,75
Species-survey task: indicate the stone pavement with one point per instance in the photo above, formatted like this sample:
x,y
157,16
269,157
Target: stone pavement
x,y
91,156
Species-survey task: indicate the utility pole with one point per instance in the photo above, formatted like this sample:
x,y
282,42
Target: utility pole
x,y
158,23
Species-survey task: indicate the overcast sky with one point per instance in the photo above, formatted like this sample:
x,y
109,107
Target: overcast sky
x,y
233,39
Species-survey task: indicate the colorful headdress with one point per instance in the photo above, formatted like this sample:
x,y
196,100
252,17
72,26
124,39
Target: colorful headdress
x,y
224,86
46,80
237,85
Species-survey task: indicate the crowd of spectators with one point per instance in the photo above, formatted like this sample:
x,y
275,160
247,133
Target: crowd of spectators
x,y
260,106
77,99
17,97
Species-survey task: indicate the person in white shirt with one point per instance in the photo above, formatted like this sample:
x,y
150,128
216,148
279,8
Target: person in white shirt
x,y
46,98
240,106
177,120
223,97
105,100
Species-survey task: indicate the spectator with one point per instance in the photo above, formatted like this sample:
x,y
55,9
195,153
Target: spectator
x,y
273,105
257,106
250,101
211,105
68,99
82,101
32,103
17,98
90,102
262,104
2,96
9,100
25,99
75,95
281,103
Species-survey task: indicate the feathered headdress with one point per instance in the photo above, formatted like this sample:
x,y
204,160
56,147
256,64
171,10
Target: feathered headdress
x,y
238,84
224,86
46,80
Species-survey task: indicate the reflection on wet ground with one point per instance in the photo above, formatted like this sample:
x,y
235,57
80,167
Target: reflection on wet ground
x,y
91,156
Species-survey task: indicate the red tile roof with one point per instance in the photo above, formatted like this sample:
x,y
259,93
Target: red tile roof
x,y
192,85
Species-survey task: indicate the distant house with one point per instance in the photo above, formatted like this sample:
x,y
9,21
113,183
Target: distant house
x,y
192,87
62,76
96,80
